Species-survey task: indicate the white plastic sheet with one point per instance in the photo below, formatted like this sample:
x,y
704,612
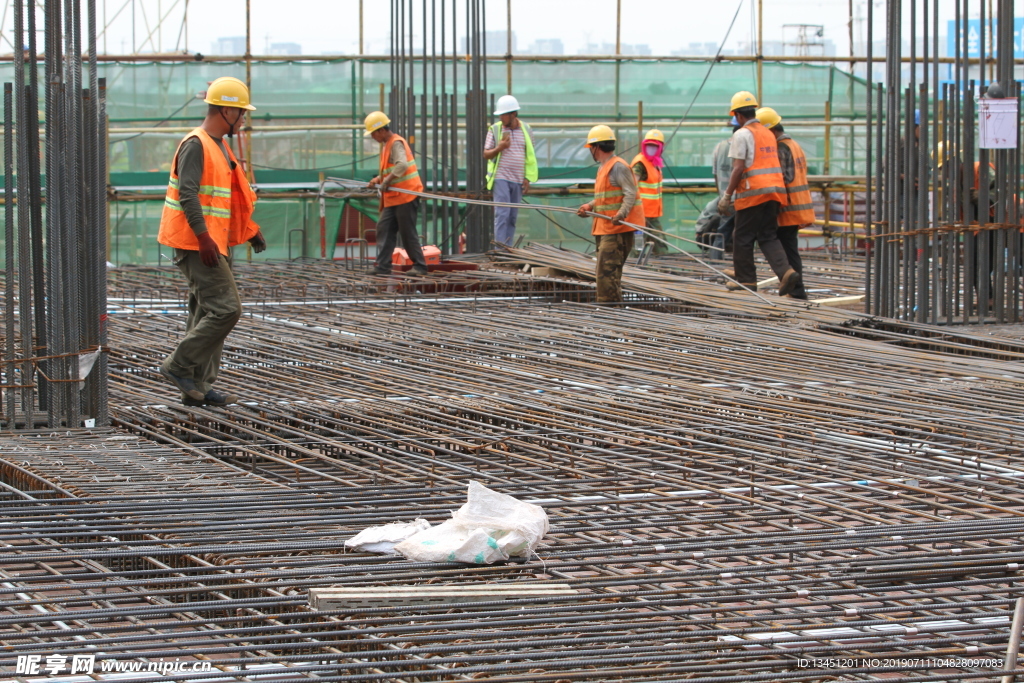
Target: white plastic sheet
x,y
490,527
382,539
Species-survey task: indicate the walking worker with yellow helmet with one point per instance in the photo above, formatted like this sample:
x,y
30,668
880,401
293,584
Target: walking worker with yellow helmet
x,y
759,191
798,209
615,199
207,210
398,214
647,167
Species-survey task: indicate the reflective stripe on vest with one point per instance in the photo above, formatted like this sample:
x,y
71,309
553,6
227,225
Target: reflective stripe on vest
x,y
530,171
409,181
608,200
225,197
799,207
650,189
211,190
762,181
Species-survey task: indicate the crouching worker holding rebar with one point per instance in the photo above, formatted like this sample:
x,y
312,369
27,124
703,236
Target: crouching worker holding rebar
x,y
208,209
615,198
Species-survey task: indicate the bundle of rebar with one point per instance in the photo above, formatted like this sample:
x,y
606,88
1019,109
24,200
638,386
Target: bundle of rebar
x,y
947,208
58,283
430,121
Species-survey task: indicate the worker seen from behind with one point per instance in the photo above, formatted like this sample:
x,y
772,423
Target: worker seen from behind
x,y
511,166
647,167
798,209
984,248
398,211
974,193
712,227
207,210
758,190
615,199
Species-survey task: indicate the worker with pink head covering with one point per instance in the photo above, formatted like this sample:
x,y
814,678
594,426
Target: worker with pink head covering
x,y
647,167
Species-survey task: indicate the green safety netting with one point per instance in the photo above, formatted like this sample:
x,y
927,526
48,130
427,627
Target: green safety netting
x,y
290,226
571,94
149,92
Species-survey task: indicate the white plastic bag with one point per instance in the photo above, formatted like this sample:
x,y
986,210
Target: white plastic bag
x,y
490,527
382,539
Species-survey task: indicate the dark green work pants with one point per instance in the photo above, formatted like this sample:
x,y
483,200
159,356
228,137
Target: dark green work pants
x,y
213,309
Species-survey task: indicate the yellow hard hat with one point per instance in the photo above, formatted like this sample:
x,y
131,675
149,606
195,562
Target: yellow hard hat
x,y
228,91
941,153
742,99
655,134
768,117
375,120
599,133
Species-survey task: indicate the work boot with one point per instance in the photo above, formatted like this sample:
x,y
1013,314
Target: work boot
x,y
789,282
417,270
185,384
739,286
213,398
380,271
729,272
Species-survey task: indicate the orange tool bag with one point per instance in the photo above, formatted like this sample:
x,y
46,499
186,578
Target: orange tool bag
x,y
431,254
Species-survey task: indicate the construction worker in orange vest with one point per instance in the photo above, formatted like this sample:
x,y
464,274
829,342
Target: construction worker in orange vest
x,y
398,215
974,194
647,167
798,209
759,191
615,198
207,210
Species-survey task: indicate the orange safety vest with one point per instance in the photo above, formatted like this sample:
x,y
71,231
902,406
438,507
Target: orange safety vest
x,y
411,179
608,200
977,173
225,195
798,209
650,189
762,182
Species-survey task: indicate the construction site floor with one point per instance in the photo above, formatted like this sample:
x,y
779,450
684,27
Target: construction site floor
x,y
739,489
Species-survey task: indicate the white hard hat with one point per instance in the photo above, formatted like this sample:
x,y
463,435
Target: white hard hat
x,y
506,105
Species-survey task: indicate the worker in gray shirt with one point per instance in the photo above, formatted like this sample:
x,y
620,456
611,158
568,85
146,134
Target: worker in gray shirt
x,y
207,210
711,227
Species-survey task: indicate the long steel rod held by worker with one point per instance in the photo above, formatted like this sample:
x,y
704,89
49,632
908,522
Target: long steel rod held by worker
x,y
656,234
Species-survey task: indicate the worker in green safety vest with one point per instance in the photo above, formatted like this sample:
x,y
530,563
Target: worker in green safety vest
x,y
511,166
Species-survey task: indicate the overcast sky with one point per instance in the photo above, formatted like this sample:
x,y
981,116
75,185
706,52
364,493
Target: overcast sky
x,y
332,26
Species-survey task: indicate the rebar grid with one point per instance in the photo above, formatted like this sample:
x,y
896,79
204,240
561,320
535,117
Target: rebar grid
x,y
731,490
337,282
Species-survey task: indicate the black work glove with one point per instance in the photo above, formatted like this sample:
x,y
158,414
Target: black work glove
x,y
209,253
258,243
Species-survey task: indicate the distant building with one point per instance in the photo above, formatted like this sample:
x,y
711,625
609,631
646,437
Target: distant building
x,y
698,50
546,46
229,46
493,43
637,50
285,49
795,49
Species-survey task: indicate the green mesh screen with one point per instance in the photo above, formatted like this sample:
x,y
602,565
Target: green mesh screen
x,y
561,99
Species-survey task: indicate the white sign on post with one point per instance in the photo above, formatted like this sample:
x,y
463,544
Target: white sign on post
x,y
997,123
